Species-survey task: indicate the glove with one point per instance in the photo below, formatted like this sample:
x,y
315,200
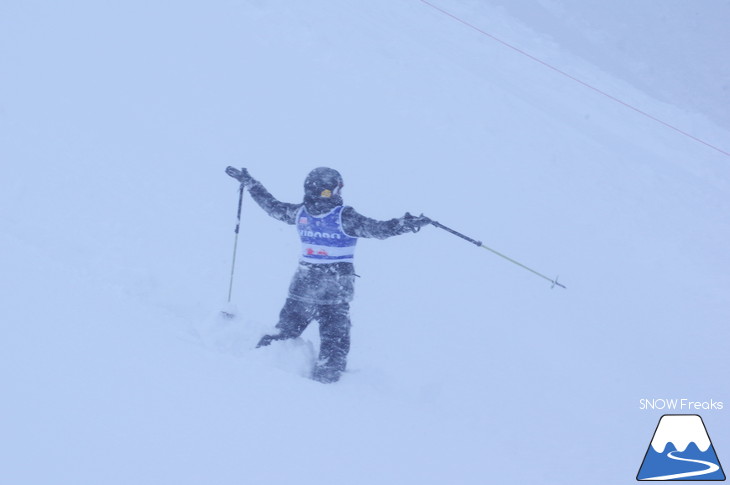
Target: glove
x,y
414,223
241,175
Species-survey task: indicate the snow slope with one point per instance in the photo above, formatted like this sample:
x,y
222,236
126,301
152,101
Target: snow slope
x,y
671,49
116,122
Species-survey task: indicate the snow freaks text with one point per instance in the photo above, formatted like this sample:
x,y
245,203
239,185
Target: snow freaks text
x,y
680,405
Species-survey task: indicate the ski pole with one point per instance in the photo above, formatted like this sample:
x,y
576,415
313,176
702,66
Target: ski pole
x,y
235,241
479,243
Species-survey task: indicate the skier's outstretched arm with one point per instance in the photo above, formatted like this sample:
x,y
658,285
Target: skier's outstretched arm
x,y
356,225
282,211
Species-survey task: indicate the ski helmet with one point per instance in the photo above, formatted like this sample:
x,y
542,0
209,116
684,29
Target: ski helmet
x,y
323,182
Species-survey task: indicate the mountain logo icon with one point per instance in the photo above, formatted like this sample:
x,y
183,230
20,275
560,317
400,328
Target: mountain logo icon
x,y
681,450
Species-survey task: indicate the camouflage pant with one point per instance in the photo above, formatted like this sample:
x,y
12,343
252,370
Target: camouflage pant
x,y
334,332
323,284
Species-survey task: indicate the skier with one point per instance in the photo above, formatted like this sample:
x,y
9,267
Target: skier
x,y
322,287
